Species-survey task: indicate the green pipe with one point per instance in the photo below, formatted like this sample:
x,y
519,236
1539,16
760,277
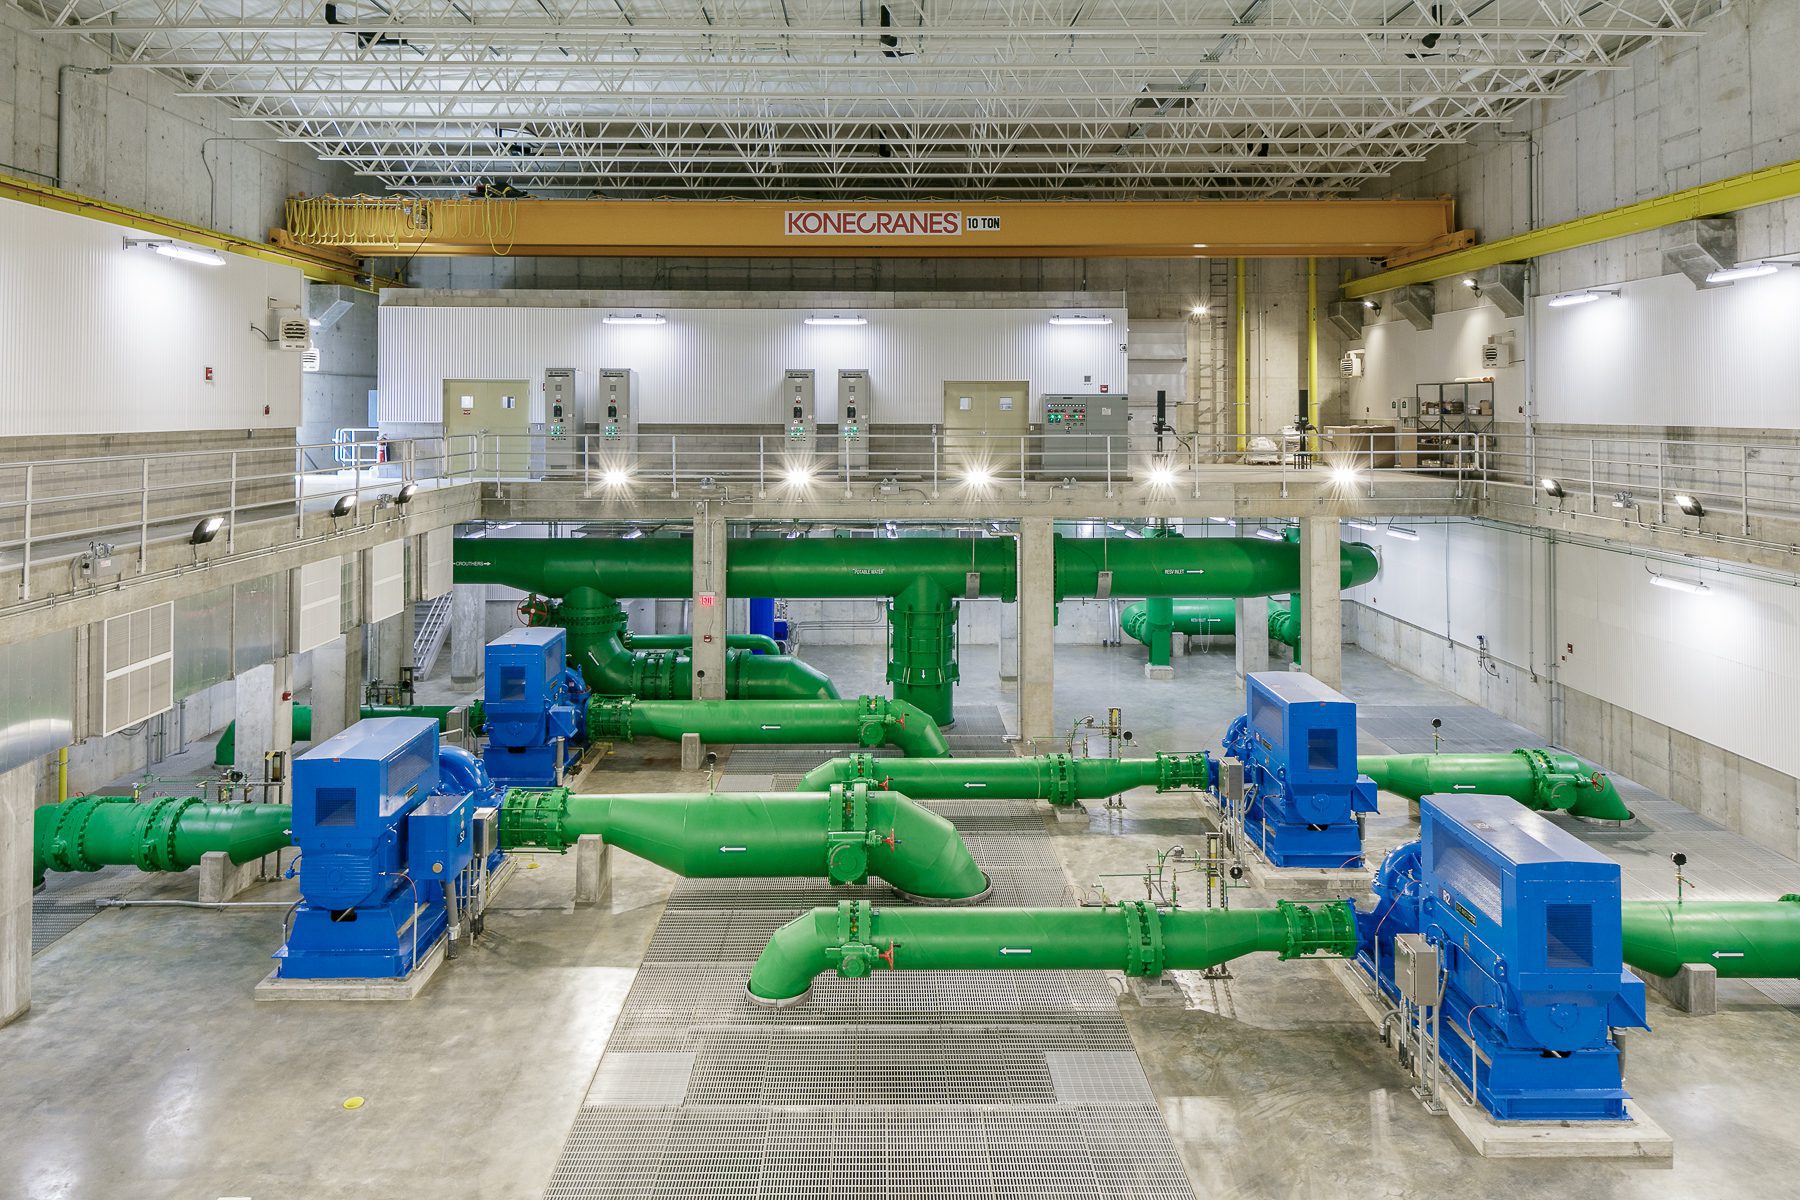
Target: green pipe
x,y
1741,939
158,835
225,753
856,939
845,835
1197,615
922,578
1541,779
864,721
685,641
1058,778
596,628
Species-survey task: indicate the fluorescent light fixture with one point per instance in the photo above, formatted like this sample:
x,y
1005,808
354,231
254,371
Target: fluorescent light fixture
x,y
634,319
1270,535
836,320
206,530
1223,520
1690,505
1570,299
1115,526
1059,319
632,534
1199,245
1748,271
1692,587
1552,487
1404,534
168,249
1344,476
1359,523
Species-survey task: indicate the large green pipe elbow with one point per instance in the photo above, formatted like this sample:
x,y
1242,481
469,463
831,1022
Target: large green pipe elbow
x,y
1741,939
865,721
171,834
1058,778
845,835
1541,779
857,939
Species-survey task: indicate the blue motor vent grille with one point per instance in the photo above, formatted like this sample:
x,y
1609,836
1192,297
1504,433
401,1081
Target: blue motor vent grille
x,y
1569,936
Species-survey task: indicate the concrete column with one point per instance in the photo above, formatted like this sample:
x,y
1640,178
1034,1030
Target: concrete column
x,y
18,802
1321,600
1037,633
1008,636
468,631
393,645
265,721
337,671
1252,636
709,602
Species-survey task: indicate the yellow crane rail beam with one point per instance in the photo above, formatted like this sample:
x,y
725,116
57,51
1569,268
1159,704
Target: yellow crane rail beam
x,y
388,225
1705,200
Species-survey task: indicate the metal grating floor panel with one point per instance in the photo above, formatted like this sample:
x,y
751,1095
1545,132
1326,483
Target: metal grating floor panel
x,y
972,1083
1407,728
66,902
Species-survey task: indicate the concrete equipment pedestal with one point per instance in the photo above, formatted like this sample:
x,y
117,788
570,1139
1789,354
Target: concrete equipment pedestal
x,y
593,871
1153,671
693,753
1639,1137
1693,989
1292,883
406,988
222,880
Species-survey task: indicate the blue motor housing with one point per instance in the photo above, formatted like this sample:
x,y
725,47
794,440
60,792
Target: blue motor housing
x,y
384,834
535,709
1302,793
1526,919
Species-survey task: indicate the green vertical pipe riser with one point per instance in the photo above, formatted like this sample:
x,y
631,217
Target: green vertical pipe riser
x,y
864,721
1541,779
1158,628
844,835
922,661
170,834
856,939
1057,778
596,635
1740,939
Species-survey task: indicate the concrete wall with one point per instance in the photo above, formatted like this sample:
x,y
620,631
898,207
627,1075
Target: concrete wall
x,y
133,141
336,396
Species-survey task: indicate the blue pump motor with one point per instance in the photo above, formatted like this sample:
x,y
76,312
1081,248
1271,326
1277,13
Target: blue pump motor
x,y
535,707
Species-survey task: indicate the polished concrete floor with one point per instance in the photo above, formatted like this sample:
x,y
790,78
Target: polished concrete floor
x,y
145,1070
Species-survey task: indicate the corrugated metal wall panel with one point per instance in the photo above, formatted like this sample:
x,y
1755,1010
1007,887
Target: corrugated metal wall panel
x,y
99,339
723,366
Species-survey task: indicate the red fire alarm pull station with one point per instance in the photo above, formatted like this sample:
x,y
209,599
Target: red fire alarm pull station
x,y
708,599
209,375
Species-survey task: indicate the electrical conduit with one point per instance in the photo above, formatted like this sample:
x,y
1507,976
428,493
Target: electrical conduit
x,y
857,939
846,835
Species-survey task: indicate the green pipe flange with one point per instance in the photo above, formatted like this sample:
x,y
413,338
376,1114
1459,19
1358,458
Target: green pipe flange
x,y
532,818
848,835
1060,787
855,952
1318,929
1143,938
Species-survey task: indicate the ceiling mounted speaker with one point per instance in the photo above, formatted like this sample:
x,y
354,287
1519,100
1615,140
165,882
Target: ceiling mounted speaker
x,y
1700,248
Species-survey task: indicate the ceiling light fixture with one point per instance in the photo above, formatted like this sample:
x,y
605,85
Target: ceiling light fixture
x,y
1748,271
1359,523
1271,535
836,320
169,249
1404,534
634,319
1692,587
1570,299
1059,319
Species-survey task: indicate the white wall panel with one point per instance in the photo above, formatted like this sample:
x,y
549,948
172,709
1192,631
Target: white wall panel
x,y
384,576
100,339
1666,353
318,603
1399,358
438,576
724,366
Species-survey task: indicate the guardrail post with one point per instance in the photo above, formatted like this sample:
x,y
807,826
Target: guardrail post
x,y
25,571
144,516
1744,484
299,492
1662,509
1593,485
674,473
1025,450
231,508
934,466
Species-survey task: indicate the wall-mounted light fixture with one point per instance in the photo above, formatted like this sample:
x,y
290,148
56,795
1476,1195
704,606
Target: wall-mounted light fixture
x,y
206,530
1271,535
1199,310
634,319
173,249
1371,306
1747,271
406,493
1077,319
1587,296
344,506
1359,523
1692,587
1553,488
1473,284
836,320
1690,505
1404,534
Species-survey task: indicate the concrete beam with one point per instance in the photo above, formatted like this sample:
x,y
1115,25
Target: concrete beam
x,y
1037,632
1321,600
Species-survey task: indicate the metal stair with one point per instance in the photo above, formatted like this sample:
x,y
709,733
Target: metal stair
x,y
431,629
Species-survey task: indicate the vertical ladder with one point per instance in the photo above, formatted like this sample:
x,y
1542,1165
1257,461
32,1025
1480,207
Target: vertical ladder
x,y
431,627
1211,368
